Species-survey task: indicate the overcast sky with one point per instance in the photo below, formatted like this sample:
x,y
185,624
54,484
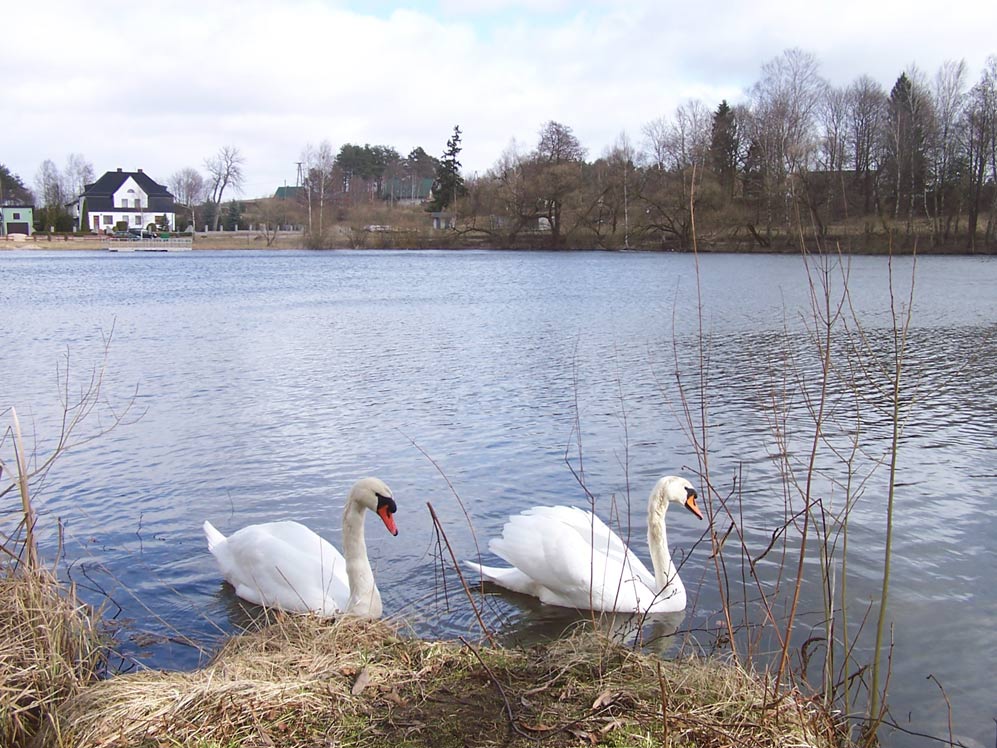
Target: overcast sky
x,y
163,85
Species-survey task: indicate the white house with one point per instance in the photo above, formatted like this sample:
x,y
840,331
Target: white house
x,y
130,198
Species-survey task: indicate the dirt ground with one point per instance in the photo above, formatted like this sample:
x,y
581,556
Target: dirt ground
x,y
219,240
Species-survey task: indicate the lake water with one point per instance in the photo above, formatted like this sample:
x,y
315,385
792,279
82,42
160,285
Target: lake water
x,y
268,382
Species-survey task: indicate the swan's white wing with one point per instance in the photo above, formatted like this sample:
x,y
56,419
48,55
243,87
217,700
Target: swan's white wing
x,y
589,526
574,559
285,565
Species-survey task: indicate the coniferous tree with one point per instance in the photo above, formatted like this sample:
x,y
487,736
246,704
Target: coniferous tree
x,y
12,189
449,185
724,148
908,111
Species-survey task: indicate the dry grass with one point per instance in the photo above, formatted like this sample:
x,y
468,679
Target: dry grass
x,y
49,650
219,240
308,682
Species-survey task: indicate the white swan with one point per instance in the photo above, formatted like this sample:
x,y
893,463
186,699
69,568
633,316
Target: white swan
x,y
567,556
285,565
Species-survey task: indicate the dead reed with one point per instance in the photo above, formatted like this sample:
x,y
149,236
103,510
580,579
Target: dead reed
x,y
304,681
50,649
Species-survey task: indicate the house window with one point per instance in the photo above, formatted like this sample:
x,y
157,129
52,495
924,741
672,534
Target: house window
x,y
108,220
17,217
137,220
124,202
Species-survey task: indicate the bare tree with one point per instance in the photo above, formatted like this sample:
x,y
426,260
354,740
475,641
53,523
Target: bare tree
x,y
988,82
49,185
224,171
949,101
683,140
49,190
558,144
784,104
319,186
622,157
188,190
504,203
823,188
267,215
608,187
866,112
556,165
980,150
832,114
677,150
77,175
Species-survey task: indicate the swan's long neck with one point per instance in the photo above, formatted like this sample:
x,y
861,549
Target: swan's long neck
x,y
666,577
365,600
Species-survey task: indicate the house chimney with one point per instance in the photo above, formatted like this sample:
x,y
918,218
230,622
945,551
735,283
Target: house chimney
x,y
119,168
139,171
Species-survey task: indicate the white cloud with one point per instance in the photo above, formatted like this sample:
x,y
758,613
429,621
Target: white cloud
x,y
163,87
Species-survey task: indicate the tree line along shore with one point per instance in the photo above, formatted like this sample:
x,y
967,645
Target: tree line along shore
x,y
857,167
345,237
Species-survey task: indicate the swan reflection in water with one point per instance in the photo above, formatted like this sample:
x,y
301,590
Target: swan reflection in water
x,y
656,633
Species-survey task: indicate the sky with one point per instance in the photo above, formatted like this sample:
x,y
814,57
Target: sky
x,y
163,86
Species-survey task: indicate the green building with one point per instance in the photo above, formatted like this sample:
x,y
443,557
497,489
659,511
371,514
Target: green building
x,y
16,219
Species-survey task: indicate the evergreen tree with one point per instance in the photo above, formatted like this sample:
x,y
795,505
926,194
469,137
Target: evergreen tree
x,y
366,162
12,189
232,217
908,113
724,147
448,186
420,164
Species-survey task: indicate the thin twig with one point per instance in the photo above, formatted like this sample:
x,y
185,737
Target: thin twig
x,y
460,575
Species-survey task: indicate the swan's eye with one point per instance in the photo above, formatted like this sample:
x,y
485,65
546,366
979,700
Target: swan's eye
x,y
690,493
386,502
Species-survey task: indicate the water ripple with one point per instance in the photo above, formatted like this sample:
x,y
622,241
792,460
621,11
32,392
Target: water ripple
x,y
268,382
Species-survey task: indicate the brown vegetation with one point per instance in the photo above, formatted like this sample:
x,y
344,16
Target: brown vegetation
x,y
49,650
304,681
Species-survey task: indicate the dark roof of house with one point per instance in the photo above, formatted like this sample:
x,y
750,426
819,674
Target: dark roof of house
x,y
112,180
100,194
407,187
288,193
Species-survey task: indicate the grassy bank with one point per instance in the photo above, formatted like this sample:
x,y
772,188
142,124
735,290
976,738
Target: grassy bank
x,y
303,681
50,650
221,240
344,237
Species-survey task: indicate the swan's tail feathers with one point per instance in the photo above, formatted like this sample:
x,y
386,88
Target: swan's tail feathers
x,y
511,579
477,568
214,537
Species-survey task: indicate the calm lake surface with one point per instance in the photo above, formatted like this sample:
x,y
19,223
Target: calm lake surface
x,y
268,382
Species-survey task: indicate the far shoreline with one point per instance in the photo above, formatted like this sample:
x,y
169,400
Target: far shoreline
x,y
293,241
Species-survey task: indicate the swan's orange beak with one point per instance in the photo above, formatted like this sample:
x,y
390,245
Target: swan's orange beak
x,y
690,504
388,518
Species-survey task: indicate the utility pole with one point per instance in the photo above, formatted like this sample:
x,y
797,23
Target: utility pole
x,y
300,178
